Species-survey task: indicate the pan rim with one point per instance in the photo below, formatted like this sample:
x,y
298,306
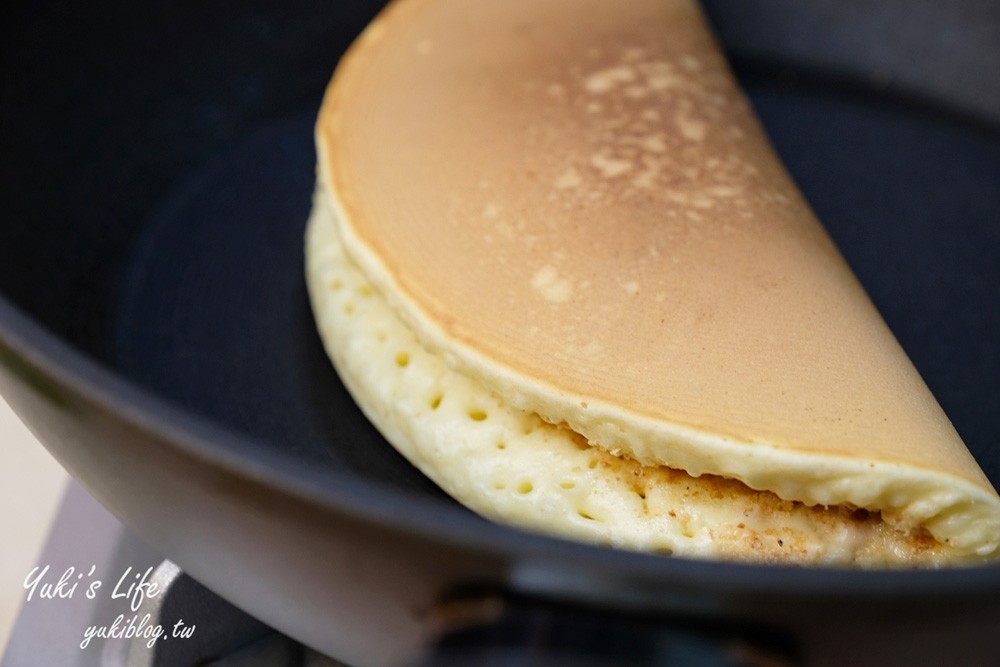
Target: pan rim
x,y
336,492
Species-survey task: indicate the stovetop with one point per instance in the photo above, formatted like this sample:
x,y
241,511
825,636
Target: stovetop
x,y
100,597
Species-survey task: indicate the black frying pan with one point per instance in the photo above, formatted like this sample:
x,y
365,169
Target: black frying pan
x,y
155,334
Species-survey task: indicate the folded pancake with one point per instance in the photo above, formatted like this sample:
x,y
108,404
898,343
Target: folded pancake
x,y
557,263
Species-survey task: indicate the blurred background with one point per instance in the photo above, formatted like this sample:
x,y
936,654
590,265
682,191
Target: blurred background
x,y
31,485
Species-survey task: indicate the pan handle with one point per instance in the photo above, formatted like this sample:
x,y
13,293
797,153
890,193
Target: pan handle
x,y
501,629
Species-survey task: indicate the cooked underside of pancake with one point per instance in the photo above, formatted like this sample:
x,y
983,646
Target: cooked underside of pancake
x,y
512,466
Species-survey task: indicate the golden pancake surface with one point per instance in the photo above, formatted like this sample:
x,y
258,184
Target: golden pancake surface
x,y
572,203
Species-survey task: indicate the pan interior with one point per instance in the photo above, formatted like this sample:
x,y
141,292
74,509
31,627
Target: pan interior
x,y
212,310
213,313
